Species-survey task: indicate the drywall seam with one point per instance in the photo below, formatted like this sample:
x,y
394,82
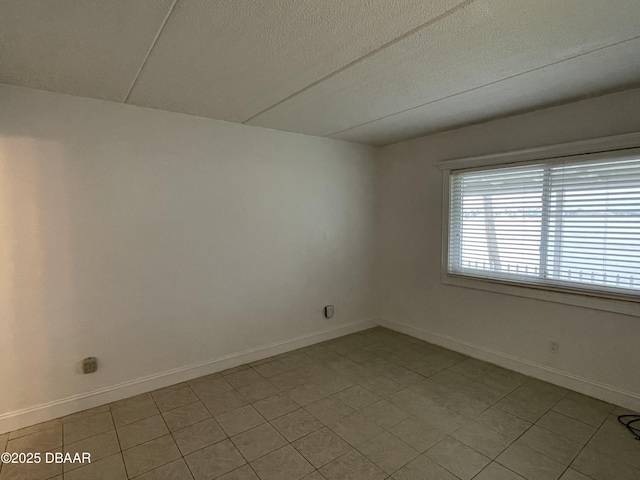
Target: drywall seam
x,y
568,380
76,403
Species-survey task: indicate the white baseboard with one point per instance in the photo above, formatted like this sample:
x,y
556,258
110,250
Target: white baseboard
x,y
76,403
607,393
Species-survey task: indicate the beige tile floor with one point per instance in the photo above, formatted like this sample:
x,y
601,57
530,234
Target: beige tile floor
x,y
374,405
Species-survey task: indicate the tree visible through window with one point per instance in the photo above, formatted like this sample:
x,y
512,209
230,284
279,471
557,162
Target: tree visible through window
x,y
574,224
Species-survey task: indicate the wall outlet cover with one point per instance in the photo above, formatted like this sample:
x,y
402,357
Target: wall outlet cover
x,y
89,365
328,311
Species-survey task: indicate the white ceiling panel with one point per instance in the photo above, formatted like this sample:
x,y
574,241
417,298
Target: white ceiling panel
x,y
231,59
370,71
484,42
90,48
613,67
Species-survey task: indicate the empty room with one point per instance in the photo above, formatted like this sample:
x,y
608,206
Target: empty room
x,y
319,240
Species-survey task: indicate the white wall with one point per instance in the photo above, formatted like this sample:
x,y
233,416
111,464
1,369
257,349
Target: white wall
x,y
599,351
156,241
159,242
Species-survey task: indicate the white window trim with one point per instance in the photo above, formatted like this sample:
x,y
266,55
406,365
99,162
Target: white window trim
x,y
597,301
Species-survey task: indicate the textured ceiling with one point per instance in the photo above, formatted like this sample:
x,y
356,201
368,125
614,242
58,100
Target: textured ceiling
x,y
370,71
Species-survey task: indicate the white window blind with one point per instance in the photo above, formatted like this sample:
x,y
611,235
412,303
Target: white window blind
x,y
573,224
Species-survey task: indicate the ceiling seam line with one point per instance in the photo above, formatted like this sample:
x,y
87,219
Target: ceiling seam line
x,y
487,84
398,39
151,47
450,128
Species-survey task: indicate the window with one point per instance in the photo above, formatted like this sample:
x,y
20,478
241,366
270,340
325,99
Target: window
x,y
574,224
569,223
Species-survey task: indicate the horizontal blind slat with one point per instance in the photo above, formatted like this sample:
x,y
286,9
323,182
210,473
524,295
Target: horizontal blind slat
x,y
580,218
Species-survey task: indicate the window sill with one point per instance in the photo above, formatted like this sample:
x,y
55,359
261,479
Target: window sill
x,y
625,307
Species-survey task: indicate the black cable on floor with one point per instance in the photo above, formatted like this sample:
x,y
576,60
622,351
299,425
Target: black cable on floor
x,y
635,418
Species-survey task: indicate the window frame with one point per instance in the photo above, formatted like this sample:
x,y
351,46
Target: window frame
x,y
588,298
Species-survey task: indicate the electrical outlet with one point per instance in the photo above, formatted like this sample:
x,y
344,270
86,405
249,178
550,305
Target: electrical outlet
x,y
89,365
554,346
328,311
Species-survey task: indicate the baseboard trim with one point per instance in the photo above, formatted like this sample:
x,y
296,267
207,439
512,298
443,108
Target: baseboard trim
x,y
76,403
607,393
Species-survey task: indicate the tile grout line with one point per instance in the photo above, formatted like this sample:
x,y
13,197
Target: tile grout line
x,y
227,436
168,429
565,416
385,397
121,452
267,422
585,446
234,444
543,454
442,466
